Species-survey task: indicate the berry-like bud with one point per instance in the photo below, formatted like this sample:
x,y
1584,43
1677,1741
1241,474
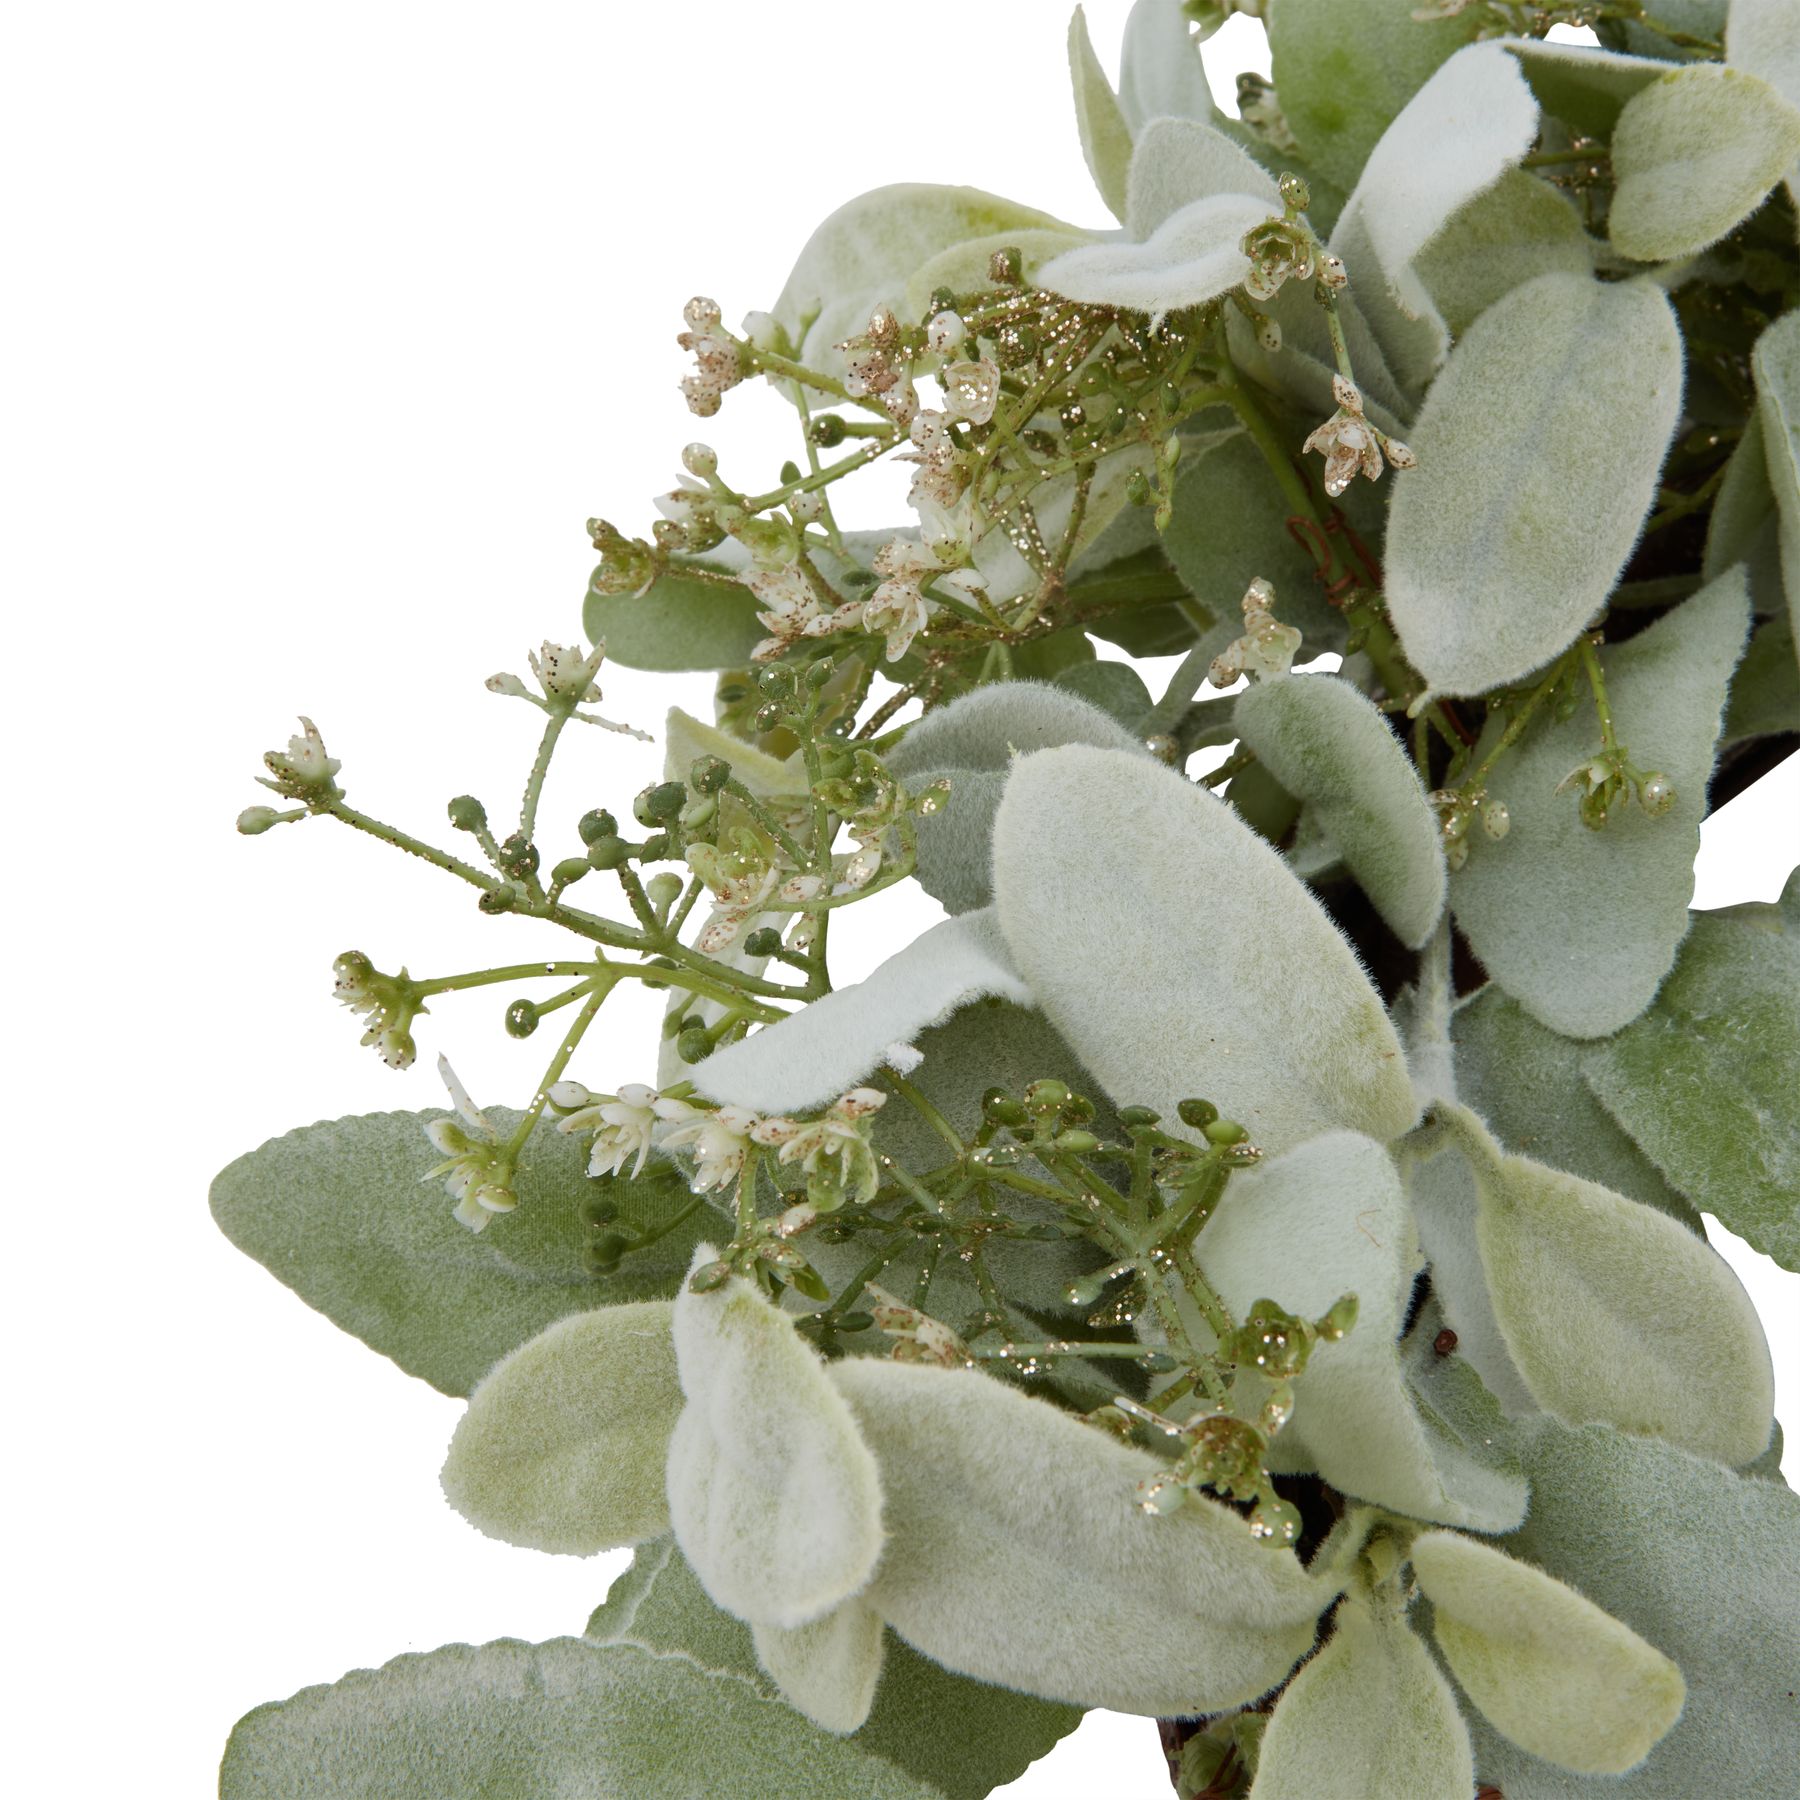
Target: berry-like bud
x,y
659,803
1001,1108
1656,794
1496,821
709,774
253,821
826,431
694,1045
764,941
701,460
1135,1118
499,900
521,1019
569,871
608,852
1047,1096
1295,193
596,825
467,813
599,1211
1224,1132
1197,1114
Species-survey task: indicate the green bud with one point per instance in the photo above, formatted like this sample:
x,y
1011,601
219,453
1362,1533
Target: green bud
x,y
763,941
1138,1118
1137,489
709,774
657,962
519,855
659,803
1079,1110
569,871
608,852
1295,194
710,1279
253,821
701,460
1047,1096
1006,268
856,1321
654,848
820,672
694,1045
663,891
501,899
598,1262
599,1211
1275,1523
1197,1113
467,813
1656,794
826,431
521,1019
998,1106
1224,1132
1078,1143
596,825
776,681
1340,1319
768,715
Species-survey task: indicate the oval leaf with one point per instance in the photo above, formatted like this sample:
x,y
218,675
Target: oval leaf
x,y
1776,361
1105,137
828,1669
690,617
1539,447
1218,975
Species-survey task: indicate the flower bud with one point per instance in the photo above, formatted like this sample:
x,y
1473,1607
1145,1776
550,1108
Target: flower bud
x,y
467,813
501,899
1197,1114
521,1019
709,774
1000,1108
659,803
253,821
596,825
1224,1132
608,852
694,1045
569,871
1656,794
701,460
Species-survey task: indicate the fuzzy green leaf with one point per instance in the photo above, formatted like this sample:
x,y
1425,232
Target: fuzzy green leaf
x,y
1693,155
1018,1553
1457,136
1369,1718
1343,73
1117,689
1222,977
339,1213
961,1736
1105,137
692,617
1706,1080
1743,526
865,253
1701,1563
1765,691
1305,1229
811,1057
827,1669
1777,364
564,1443
1557,1674
579,1720
1614,1313
1325,743
687,739
1539,448
1160,72
1177,163
774,1495
1526,1082
1762,37
1580,926
1585,88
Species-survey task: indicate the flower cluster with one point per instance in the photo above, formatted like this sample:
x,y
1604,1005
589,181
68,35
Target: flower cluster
x,y
718,363
1350,443
389,1003
475,1170
1267,647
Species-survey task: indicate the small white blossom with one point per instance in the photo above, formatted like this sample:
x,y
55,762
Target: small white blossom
x,y
1267,647
719,1140
972,389
899,607
1348,442
565,673
945,333
835,1151
717,369
940,479
388,1002
304,768
471,1172
621,1124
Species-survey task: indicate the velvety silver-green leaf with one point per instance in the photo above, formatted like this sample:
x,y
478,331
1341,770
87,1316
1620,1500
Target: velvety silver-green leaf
x,y
1555,1673
1693,155
1539,448
1105,137
964,267
1708,1080
1777,364
811,1057
864,254
1160,72
1581,926
687,739
1344,72
1018,1553
1584,87
1178,162
827,1669
1765,691
339,1213
1519,228
972,743
1218,975
1457,136
1526,1082
1305,1229
1614,1313
1701,1563
570,1718
1116,688
1762,37
1327,744
962,1737
564,1444
695,616
1369,1718
775,1497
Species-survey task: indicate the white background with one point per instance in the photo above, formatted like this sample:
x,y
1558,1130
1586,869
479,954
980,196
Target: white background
x,y
328,328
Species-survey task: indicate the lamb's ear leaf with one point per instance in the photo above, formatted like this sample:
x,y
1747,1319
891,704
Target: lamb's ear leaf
x,y
567,1717
865,254
1699,1562
1693,155
1526,1082
1776,361
1177,162
1105,137
961,1736
1743,526
1327,744
828,1669
1369,1717
965,267
1581,926
1464,129
696,615
1705,1080
774,1495
1761,40
1117,689
1305,1229
1160,72
1521,227
809,1058
564,1444
1223,978
1506,435
1555,1673
986,1488
339,1213
1344,73
1616,1314
1585,88
1765,691
687,739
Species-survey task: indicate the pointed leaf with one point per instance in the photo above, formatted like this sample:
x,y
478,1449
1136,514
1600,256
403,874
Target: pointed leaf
x,y
1511,532
1777,364
828,1669
825,1049
1761,39
339,1212
1553,1671
1160,72
1105,137
775,1497
1369,1718
569,1718
697,615
1614,1313
1743,526
1116,688
687,739
1706,1080
1581,926
1584,87
1018,1553
1177,162
1693,155
1303,1230
1765,691
1701,1563
1327,744
1222,978
564,1443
